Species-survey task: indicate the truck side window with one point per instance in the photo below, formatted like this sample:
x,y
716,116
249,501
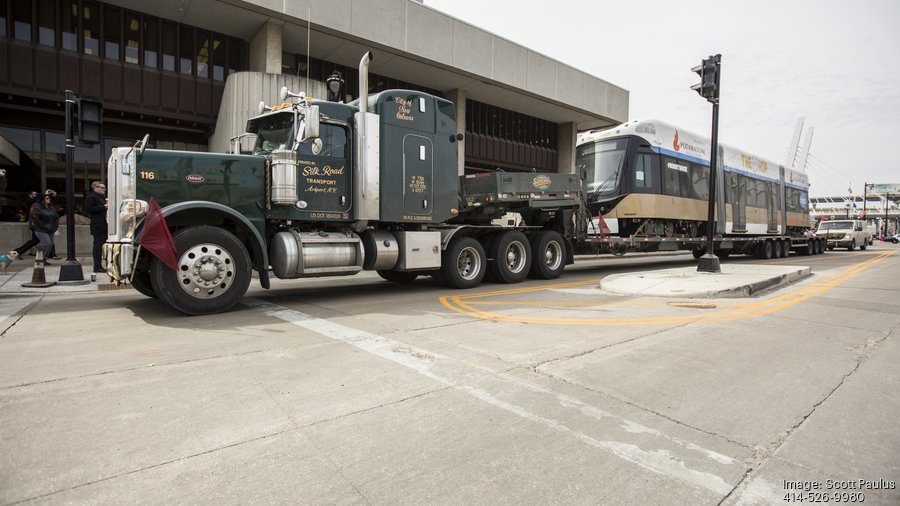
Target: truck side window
x,y
334,142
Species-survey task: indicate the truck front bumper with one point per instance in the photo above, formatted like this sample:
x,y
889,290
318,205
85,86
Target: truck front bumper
x,y
118,260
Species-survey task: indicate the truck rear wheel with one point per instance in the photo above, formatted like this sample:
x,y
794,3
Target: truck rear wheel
x,y
548,255
463,263
212,274
511,255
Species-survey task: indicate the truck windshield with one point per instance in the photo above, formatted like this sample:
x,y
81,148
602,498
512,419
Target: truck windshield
x,y
836,225
602,164
275,132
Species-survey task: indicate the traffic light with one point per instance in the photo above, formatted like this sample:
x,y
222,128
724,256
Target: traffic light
x,y
90,122
708,71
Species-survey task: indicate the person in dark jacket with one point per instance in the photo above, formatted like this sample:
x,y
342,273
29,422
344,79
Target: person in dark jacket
x,y
95,207
44,220
21,250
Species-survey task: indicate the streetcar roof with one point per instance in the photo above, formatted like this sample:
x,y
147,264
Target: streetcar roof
x,y
671,140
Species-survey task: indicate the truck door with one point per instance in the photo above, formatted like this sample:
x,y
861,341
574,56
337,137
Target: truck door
x,y
324,182
418,173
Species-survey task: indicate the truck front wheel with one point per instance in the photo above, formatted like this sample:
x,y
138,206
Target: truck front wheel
x,y
140,280
212,274
463,263
548,255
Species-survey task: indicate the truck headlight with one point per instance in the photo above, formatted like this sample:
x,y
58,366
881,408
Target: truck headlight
x,y
130,212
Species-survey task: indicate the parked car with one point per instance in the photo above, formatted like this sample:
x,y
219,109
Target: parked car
x,y
894,239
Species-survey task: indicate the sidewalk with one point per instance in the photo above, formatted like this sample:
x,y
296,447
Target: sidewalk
x,y
21,271
734,281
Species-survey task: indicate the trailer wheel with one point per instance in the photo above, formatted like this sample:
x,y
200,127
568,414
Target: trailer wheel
x,y
776,248
723,254
398,276
212,274
141,282
511,255
698,253
764,250
548,254
463,263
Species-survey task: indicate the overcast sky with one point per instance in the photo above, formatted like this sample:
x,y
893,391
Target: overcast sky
x,y
836,63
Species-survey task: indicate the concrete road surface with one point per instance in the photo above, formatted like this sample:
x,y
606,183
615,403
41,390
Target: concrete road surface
x,y
361,391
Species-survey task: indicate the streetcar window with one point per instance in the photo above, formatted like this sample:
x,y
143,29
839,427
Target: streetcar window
x,y
645,172
601,163
700,182
672,176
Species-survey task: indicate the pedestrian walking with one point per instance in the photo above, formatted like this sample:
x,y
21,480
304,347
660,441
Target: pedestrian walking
x,y
44,220
95,207
21,250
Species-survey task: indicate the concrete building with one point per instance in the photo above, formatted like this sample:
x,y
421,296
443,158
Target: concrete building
x,y
190,72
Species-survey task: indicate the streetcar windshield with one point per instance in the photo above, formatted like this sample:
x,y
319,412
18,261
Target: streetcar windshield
x,y
602,164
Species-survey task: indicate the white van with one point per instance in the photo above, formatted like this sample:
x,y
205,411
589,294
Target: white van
x,y
848,234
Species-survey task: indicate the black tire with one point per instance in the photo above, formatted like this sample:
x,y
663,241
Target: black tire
x,y
852,245
141,282
510,252
463,263
723,254
822,244
548,255
786,248
864,245
222,283
765,250
398,276
776,248
698,253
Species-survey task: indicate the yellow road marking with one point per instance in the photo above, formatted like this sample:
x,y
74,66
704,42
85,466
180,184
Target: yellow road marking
x,y
462,304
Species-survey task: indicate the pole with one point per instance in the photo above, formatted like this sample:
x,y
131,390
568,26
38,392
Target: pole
x,y
71,269
887,200
865,198
709,262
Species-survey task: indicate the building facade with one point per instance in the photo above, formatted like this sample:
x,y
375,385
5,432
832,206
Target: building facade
x,y
167,69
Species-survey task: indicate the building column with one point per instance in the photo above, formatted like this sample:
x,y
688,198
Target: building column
x,y
458,97
566,141
265,49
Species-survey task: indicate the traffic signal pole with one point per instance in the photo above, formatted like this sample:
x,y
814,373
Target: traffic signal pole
x,y
708,88
70,272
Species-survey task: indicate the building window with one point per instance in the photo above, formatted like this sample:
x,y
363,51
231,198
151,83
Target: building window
x,y
132,38
186,50
112,32
3,18
219,58
90,19
235,56
202,54
22,18
69,25
169,42
151,42
47,23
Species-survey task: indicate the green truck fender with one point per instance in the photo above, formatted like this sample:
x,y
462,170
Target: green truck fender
x,y
198,212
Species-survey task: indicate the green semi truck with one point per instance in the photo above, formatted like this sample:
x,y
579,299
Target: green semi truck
x,y
330,189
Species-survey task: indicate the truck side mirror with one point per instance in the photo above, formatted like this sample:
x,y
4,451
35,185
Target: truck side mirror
x,y
312,123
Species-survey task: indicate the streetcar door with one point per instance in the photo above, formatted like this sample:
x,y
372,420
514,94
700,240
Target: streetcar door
x,y
772,208
739,204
